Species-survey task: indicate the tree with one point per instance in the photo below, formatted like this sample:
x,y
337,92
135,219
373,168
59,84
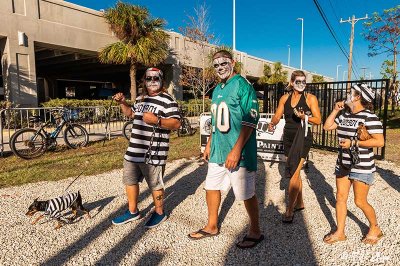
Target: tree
x,y
199,80
383,33
141,39
387,69
267,74
317,79
278,74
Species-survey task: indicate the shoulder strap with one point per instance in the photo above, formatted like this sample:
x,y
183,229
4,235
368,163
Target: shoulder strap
x,y
306,96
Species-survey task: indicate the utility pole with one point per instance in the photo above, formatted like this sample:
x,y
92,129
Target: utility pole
x,y
288,60
353,21
364,68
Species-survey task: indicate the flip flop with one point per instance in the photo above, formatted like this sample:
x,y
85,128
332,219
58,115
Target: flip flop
x,y
287,219
372,240
331,239
203,234
298,209
254,241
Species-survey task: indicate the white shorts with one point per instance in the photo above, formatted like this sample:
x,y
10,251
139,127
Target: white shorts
x,y
242,181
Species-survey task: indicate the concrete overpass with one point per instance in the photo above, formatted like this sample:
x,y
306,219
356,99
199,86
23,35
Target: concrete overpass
x,y
45,45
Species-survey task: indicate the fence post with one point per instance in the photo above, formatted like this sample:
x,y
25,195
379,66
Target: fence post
x,y
325,108
385,111
265,102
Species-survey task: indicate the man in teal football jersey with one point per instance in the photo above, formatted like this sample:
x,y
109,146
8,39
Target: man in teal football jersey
x,y
232,149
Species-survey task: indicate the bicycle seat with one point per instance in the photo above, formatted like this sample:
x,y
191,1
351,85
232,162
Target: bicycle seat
x,y
35,119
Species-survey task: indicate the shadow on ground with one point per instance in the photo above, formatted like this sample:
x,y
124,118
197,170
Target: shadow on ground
x,y
284,244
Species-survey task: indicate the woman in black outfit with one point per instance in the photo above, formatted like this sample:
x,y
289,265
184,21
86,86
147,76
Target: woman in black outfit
x,y
299,108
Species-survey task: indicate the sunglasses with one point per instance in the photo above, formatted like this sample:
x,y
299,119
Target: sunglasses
x,y
222,64
152,78
298,82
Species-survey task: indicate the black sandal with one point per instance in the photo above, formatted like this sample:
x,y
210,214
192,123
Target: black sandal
x,y
254,241
287,219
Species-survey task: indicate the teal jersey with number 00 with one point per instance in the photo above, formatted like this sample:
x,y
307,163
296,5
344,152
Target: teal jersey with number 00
x,y
234,104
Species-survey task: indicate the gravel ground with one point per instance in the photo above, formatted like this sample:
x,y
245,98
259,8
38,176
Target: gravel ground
x,y
97,241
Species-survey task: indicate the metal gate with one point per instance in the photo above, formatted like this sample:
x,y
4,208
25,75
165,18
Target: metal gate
x,y
327,93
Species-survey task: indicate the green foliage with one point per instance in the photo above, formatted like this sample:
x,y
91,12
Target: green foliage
x,y
71,103
387,69
141,39
317,79
275,76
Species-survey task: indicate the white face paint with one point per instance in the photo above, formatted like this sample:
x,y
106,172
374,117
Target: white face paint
x,y
350,99
153,81
223,66
299,84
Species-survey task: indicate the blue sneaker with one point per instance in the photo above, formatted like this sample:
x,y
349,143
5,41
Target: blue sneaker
x,y
126,217
155,220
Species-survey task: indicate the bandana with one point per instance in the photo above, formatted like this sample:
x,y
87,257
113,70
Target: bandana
x,y
223,66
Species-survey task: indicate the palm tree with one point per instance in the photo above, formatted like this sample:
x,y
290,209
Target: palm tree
x,y
141,39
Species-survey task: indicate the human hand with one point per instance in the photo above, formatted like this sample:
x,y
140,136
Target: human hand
x,y
232,159
344,143
299,113
119,97
206,154
150,118
271,127
339,105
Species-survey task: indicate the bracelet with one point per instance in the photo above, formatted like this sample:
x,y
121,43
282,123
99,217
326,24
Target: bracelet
x,y
159,121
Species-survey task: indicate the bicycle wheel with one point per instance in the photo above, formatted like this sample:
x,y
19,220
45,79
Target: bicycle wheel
x,y
27,143
185,129
127,129
76,136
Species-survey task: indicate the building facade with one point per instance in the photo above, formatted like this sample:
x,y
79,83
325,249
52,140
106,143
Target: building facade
x,y
48,49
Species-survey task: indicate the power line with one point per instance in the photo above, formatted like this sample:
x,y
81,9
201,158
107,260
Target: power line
x,y
346,37
331,30
353,21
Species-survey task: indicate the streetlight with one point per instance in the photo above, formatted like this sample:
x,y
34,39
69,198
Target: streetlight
x,y
301,49
337,72
288,60
234,25
344,73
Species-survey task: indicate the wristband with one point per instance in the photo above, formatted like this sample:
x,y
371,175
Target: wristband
x,y
159,121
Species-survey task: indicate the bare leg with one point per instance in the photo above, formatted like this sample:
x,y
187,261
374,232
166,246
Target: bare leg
x,y
253,212
343,185
213,198
132,193
158,198
360,197
294,188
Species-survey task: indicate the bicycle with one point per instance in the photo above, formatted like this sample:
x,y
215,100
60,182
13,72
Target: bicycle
x,y
29,143
184,130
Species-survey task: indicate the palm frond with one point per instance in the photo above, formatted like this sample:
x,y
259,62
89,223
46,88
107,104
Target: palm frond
x,y
116,53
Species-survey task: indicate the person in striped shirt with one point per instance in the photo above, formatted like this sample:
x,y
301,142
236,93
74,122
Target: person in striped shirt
x,y
155,114
355,164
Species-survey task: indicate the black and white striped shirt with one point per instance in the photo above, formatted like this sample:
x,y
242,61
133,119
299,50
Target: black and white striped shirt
x,y
57,205
162,104
347,128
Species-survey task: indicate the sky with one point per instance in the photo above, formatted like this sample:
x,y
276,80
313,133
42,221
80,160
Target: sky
x,y
265,28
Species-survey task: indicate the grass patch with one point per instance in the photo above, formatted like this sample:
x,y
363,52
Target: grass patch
x,y
94,159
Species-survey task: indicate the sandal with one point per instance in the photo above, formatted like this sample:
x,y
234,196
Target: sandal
x,y
298,209
331,239
254,241
203,234
372,240
287,219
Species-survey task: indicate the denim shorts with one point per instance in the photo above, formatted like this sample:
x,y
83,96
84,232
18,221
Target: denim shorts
x,y
367,178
